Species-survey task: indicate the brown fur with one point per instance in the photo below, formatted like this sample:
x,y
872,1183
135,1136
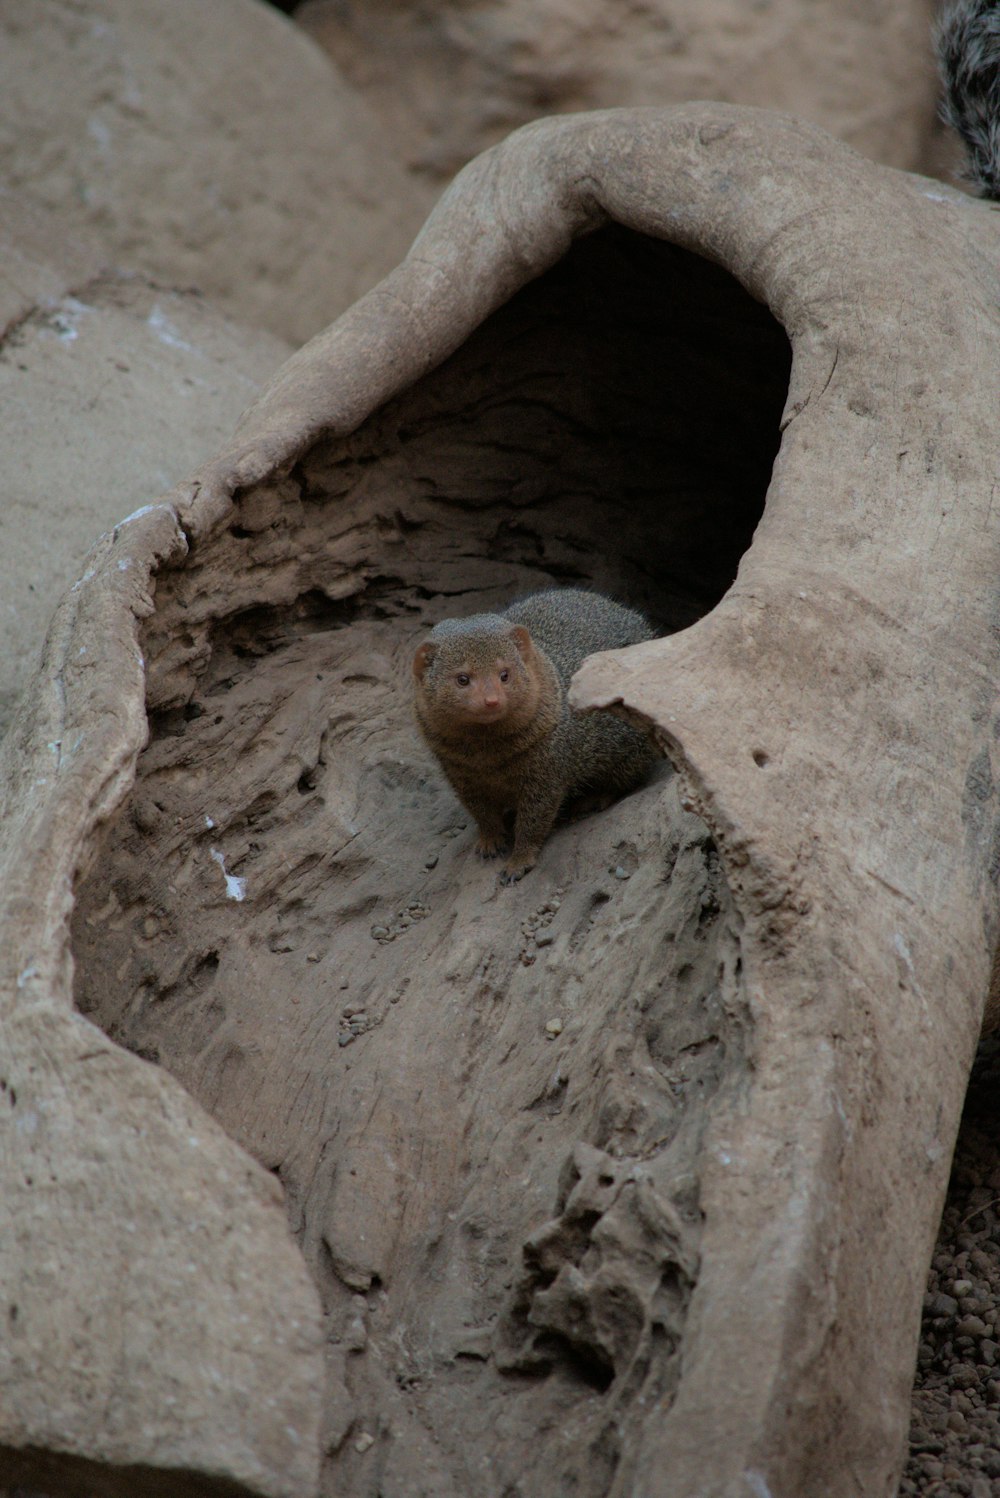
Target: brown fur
x,y
491,703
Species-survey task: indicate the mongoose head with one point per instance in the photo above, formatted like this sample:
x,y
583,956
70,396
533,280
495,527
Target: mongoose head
x,y
477,671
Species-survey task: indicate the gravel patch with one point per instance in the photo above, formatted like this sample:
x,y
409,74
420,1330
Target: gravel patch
x,y
955,1421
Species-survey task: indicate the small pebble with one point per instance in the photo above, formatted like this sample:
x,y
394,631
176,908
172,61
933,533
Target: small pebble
x,y
476,1342
554,1027
355,1337
312,956
364,1441
431,863
622,873
544,939
379,933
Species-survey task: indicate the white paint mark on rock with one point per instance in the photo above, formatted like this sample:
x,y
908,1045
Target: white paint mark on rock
x,y
144,510
166,332
236,889
756,1485
902,949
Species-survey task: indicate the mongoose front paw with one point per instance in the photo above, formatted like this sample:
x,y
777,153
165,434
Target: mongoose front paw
x,y
512,872
490,847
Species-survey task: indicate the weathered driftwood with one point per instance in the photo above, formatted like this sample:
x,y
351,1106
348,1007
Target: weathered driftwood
x,y
678,1249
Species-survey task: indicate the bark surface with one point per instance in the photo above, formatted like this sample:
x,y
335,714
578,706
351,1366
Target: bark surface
x,y
637,1165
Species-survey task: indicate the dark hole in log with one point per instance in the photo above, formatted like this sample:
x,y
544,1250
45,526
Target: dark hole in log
x,y
633,395
613,425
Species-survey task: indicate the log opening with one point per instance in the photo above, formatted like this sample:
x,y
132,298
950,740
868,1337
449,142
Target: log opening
x,y
613,425
487,1111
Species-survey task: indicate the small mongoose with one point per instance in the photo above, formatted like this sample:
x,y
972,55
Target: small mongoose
x,y
491,703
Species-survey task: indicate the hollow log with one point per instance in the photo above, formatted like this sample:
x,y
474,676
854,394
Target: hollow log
x,y
634,1167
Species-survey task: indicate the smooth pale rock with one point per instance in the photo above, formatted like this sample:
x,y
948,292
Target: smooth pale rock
x,y
212,146
451,79
111,391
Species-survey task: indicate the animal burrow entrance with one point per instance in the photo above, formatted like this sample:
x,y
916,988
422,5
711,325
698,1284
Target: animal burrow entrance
x,y
486,1106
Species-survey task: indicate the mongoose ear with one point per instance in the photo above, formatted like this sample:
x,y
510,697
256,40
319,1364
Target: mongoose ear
x,y
522,640
423,658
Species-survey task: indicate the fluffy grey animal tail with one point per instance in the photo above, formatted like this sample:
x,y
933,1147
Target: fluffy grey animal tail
x,y
967,41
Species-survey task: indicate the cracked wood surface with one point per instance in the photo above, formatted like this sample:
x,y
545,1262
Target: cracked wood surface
x,y
679,1246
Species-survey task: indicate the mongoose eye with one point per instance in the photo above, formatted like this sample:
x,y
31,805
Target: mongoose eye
x,y
463,679
505,676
